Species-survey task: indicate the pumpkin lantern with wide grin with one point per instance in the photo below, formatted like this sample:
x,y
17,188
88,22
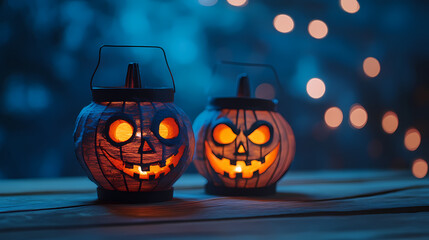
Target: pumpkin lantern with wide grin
x,y
133,142
244,146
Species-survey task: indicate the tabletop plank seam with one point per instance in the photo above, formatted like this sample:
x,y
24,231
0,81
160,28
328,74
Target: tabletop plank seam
x,y
414,209
95,203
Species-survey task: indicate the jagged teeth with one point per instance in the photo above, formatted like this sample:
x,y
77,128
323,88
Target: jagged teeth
x,y
162,163
149,171
139,168
171,166
247,162
145,167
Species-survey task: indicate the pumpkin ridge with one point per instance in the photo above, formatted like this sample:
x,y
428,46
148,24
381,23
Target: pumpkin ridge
x,y
86,111
163,147
247,141
279,154
290,144
260,149
141,134
185,126
120,152
96,150
208,167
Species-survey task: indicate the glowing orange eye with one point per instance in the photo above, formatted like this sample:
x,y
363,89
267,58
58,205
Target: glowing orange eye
x,y
223,134
168,128
121,131
261,135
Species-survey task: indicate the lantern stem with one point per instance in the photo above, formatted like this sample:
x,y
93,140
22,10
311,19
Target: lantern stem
x,y
243,88
133,76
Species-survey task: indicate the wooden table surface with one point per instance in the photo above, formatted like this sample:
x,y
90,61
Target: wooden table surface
x,y
308,205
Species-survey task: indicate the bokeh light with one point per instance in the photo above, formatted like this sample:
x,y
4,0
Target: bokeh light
x,y
207,3
412,139
358,116
371,67
390,122
237,3
196,35
316,88
265,91
420,168
350,6
333,117
318,29
283,23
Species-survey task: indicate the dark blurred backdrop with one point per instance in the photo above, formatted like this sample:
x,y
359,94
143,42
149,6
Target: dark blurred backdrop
x,y
49,50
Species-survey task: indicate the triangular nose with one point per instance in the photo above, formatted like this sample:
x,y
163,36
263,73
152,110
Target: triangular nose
x,y
241,149
146,147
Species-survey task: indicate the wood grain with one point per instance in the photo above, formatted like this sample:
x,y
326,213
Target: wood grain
x,y
353,202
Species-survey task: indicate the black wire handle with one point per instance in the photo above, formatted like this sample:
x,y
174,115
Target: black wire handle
x,y
99,59
251,65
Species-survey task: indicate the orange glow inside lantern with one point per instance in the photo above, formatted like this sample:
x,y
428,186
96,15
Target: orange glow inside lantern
x,y
120,131
243,145
133,142
168,128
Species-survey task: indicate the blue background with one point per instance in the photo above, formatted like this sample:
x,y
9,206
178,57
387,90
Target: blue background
x,y
49,50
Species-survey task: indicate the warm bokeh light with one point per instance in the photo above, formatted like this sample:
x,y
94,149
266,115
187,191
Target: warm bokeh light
x,y
283,23
265,91
318,29
207,3
350,6
333,117
316,88
358,116
371,67
237,3
390,122
412,139
420,168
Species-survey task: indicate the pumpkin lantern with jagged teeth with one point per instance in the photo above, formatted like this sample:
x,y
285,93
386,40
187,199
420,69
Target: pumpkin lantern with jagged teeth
x,y
133,142
243,145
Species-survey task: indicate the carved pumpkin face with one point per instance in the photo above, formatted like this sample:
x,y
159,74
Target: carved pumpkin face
x,y
134,146
242,148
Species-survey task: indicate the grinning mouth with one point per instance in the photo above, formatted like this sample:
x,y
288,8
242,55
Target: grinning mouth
x,y
246,168
154,170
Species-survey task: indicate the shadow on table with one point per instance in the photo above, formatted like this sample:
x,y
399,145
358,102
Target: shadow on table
x,y
175,208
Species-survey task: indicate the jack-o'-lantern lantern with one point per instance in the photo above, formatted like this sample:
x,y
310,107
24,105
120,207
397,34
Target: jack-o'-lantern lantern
x,y
133,142
243,145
